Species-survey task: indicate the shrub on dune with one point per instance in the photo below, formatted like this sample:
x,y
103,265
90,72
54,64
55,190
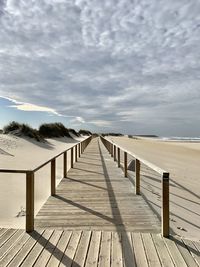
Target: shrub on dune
x,y
50,130
85,132
73,132
18,129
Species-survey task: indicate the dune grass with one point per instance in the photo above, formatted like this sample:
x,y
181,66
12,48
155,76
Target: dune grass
x,y
19,129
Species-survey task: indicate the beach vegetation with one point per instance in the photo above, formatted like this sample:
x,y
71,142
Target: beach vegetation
x,y
50,130
19,129
84,132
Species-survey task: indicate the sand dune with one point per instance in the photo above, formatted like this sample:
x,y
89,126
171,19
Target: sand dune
x,y
182,161
20,153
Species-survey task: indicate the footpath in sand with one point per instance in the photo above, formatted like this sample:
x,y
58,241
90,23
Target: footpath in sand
x,y
182,160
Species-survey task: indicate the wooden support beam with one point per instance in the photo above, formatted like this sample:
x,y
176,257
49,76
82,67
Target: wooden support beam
x,y
53,177
118,156
115,153
165,204
65,164
125,165
76,153
79,149
72,157
137,177
29,202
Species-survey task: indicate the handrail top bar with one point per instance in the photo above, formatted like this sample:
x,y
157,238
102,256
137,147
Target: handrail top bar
x,y
43,164
14,171
147,163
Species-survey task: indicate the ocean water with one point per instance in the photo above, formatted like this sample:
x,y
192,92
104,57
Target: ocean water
x,y
181,139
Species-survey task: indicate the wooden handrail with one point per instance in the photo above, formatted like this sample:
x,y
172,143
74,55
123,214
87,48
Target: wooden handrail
x,y
30,179
164,179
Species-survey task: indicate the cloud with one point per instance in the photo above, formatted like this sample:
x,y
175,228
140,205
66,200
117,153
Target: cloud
x,y
109,62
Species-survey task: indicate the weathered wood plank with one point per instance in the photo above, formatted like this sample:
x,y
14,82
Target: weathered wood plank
x,y
8,245
26,249
128,252
116,252
93,253
59,250
48,249
162,251
70,251
151,253
37,249
140,255
82,249
105,250
14,249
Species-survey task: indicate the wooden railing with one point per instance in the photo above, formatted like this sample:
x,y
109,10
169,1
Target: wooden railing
x,y
78,149
112,148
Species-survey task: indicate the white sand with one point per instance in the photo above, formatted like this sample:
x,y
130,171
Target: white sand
x,y
19,153
182,160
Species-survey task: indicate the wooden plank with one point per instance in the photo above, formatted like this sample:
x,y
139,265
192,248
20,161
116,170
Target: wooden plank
x,y
48,249
8,245
26,249
162,251
175,253
93,253
105,250
70,250
6,236
138,246
185,253
82,249
2,231
17,246
193,250
116,252
128,252
151,253
37,249
59,250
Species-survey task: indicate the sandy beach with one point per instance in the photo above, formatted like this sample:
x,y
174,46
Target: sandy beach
x,y
181,159
25,153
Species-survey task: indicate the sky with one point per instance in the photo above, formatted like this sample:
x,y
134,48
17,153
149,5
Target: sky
x,y
129,66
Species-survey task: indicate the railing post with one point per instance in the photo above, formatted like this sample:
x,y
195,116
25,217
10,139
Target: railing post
x,y
118,156
29,202
111,150
76,152
114,153
65,164
79,149
125,164
72,157
137,177
165,204
53,177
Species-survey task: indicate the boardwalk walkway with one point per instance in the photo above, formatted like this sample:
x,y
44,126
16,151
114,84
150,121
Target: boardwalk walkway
x,y
95,220
96,196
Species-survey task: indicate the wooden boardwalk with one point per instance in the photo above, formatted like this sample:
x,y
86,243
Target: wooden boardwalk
x,y
96,220
96,196
95,249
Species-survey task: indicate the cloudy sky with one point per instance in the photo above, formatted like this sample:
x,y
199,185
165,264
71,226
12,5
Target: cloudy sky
x,y
131,66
